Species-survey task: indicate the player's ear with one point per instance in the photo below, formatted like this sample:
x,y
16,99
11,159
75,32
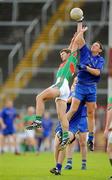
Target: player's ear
x,y
100,50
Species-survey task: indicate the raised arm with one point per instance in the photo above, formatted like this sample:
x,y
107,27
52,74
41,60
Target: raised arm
x,y
79,40
73,45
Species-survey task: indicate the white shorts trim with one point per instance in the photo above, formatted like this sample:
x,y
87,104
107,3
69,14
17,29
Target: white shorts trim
x,y
29,134
64,90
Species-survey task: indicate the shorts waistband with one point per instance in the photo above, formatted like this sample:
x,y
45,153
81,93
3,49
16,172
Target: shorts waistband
x,y
80,82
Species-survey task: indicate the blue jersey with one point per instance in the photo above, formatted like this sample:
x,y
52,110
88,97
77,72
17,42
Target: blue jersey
x,y
47,127
78,121
8,115
96,62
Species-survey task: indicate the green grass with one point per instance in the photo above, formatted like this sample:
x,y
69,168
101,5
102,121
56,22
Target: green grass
x,y
32,167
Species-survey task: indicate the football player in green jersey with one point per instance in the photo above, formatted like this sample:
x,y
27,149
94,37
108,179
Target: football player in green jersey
x,y
60,90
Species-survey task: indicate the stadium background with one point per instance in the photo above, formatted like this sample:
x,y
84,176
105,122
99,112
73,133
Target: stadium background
x,y
32,32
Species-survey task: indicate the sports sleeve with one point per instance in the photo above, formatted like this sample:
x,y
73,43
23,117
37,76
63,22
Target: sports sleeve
x,y
84,50
70,64
100,64
84,54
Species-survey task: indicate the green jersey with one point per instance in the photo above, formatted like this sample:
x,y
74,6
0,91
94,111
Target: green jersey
x,y
109,103
67,68
28,119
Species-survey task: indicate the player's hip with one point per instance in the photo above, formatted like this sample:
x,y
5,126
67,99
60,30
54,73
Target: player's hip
x,y
63,88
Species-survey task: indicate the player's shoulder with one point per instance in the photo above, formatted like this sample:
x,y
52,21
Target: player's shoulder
x,y
84,48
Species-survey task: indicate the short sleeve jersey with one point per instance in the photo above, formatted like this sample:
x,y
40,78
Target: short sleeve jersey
x,y
8,115
96,62
67,68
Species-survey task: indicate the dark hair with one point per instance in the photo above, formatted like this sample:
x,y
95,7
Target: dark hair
x,y
65,50
101,46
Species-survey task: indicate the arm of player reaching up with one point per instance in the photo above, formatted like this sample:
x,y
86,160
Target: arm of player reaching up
x,y
73,45
79,40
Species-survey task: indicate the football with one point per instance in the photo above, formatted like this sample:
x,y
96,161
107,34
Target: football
x,y
76,14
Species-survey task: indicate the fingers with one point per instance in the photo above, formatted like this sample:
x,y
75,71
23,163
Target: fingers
x,y
84,29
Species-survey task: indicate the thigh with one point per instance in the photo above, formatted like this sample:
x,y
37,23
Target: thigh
x,y
50,93
75,104
91,97
61,106
79,92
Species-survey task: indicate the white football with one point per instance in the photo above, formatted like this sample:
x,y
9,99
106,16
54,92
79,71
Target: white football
x,y
76,14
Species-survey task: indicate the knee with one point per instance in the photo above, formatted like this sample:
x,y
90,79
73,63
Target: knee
x,y
83,144
38,97
90,112
73,110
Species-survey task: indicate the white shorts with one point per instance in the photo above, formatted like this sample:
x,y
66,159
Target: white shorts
x,y
64,90
20,136
30,134
110,137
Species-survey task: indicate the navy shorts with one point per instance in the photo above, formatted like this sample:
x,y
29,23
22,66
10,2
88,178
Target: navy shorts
x,y
75,126
8,131
85,92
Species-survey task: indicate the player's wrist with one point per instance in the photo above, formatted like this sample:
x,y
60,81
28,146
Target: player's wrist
x,y
80,20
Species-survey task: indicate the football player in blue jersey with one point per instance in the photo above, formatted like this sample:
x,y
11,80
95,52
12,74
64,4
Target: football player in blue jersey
x,y
8,115
77,124
89,72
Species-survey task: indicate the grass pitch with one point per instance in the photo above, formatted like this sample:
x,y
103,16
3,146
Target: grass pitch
x,y
32,167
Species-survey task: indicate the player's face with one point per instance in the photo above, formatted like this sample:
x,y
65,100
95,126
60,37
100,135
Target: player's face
x,y
31,111
64,56
9,104
95,48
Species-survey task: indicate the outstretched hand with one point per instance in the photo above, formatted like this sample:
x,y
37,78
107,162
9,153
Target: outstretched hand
x,y
84,29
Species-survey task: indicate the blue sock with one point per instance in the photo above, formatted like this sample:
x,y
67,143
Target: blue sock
x,y
59,166
83,162
69,161
90,136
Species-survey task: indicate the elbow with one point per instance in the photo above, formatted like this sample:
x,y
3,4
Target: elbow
x,y
97,73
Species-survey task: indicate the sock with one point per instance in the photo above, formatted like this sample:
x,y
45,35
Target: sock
x,y
38,118
90,136
59,166
69,161
110,161
83,162
65,135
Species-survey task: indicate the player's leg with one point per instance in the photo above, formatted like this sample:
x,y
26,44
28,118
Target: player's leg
x,y
47,143
61,156
83,148
61,111
13,143
56,153
74,107
47,94
91,123
69,155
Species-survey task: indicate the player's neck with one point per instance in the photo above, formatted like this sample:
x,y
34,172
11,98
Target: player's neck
x,y
95,53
